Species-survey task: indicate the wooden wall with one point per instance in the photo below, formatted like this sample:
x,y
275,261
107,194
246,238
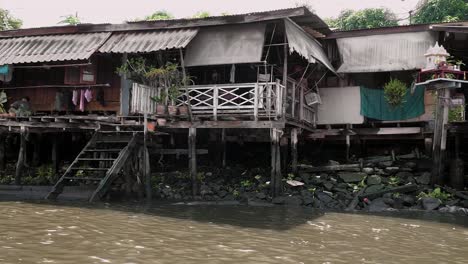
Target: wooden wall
x,y
43,99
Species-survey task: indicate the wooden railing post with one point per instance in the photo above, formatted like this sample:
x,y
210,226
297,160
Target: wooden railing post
x,y
256,102
215,102
293,107
301,103
279,107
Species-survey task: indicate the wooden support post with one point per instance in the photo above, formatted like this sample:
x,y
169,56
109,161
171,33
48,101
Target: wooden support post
x,y
457,175
21,159
294,150
348,146
276,177
36,159
440,135
428,146
2,152
285,76
55,156
284,146
146,162
223,144
192,137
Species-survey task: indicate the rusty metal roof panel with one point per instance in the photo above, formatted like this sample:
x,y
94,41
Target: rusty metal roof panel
x,y
50,48
142,42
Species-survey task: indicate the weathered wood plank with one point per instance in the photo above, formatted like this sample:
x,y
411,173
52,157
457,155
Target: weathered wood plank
x,y
344,167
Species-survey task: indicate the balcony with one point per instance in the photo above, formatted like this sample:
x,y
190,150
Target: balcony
x,y
248,101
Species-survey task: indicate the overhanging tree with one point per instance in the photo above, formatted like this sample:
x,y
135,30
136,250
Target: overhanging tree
x,y
362,19
433,11
8,22
159,15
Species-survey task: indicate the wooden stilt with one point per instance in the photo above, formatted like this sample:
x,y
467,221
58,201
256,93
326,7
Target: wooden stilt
x,y
457,175
440,135
192,136
21,159
294,150
428,146
2,152
146,163
36,159
223,144
348,146
55,156
276,176
284,152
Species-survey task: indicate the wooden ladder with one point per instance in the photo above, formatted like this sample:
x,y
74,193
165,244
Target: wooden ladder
x,y
99,162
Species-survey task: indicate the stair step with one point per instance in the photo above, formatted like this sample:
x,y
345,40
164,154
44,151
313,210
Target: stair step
x,y
83,178
112,141
103,150
91,169
97,159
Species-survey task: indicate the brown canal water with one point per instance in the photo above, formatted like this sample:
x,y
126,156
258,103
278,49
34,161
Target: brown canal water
x,y
79,233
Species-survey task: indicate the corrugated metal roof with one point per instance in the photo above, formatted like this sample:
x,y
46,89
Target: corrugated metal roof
x,y
50,48
381,53
136,42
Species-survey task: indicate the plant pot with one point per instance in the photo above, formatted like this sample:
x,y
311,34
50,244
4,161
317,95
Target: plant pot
x,y
172,110
151,126
160,109
183,110
161,121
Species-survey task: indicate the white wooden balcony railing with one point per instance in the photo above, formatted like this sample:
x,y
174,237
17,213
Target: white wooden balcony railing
x,y
257,100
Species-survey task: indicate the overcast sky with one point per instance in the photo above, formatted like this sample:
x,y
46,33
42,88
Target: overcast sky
x,y
38,13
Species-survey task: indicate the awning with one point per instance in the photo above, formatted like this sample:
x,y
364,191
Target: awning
x,y
50,48
381,53
226,45
306,45
136,42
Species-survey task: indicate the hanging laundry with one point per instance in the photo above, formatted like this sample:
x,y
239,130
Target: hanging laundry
x,y
6,73
82,99
88,95
75,97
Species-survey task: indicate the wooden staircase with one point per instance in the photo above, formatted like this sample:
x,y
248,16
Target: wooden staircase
x,y
98,163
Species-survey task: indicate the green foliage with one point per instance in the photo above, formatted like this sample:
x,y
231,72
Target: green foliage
x,y
246,183
71,20
394,181
159,15
3,100
8,22
202,14
436,193
395,92
456,114
434,11
362,19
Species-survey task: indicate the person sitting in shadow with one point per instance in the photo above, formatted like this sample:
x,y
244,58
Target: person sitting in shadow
x,y
20,108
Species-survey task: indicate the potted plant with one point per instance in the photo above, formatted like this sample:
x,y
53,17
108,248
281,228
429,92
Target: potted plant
x,y
160,103
458,65
173,93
